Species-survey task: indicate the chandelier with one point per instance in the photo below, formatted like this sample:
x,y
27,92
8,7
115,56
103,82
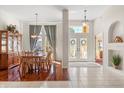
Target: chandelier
x,y
85,23
34,35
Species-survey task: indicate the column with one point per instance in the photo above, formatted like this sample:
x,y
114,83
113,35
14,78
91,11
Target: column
x,y
65,27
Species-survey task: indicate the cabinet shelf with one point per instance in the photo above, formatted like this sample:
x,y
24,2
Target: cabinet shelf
x,y
4,45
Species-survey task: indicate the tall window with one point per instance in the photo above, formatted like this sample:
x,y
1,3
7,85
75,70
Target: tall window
x,y
42,43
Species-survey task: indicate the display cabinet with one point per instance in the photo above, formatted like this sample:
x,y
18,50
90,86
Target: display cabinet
x,y
10,47
15,49
3,49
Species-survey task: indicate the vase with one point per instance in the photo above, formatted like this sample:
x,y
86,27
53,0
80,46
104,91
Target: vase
x,y
118,39
116,67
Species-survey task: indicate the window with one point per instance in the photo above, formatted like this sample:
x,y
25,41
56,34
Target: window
x,y
42,43
76,29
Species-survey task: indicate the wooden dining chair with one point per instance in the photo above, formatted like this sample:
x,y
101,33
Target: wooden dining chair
x,y
19,57
23,67
49,60
27,53
45,62
41,63
28,65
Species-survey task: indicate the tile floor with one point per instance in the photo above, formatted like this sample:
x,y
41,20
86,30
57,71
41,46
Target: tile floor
x,y
82,75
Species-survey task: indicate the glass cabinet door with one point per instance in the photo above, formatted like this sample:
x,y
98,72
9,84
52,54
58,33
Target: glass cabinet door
x,y
15,44
10,43
19,43
3,42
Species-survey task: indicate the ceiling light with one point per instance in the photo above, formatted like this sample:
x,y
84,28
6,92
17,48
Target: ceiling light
x,y
34,35
85,28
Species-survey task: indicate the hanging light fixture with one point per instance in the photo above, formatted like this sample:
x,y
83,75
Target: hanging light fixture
x,y
34,35
85,23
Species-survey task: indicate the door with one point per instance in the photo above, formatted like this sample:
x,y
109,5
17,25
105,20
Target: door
x,y
99,48
78,47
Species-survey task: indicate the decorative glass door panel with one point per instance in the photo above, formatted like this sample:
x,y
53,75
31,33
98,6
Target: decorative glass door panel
x,y
73,48
83,48
78,49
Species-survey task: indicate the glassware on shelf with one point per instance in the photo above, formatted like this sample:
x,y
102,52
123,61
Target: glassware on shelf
x,y
3,49
3,42
10,42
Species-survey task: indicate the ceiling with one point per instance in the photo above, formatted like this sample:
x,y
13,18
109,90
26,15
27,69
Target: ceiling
x,y
54,12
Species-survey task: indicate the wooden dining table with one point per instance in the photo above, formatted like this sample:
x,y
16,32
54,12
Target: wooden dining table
x,y
32,63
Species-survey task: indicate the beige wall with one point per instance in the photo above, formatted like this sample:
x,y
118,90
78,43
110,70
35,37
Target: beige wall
x,y
8,18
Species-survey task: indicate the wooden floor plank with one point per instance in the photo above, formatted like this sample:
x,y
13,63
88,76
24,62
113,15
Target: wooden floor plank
x,y
55,74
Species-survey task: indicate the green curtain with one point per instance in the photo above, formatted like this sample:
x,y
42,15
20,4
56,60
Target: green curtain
x,y
51,36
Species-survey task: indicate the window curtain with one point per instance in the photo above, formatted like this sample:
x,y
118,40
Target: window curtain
x,y
32,29
51,36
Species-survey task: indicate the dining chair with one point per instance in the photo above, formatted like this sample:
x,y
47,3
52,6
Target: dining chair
x,y
23,67
49,60
44,63
28,65
41,63
27,53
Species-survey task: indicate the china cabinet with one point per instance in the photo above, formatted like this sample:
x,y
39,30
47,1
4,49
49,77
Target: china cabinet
x,y
10,47
3,49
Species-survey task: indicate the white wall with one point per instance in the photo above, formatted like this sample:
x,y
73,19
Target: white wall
x,y
103,23
7,19
25,37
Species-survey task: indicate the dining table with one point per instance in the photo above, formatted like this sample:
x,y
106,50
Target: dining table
x,y
32,63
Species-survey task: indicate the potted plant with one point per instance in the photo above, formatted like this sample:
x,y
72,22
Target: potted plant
x,y
11,28
116,60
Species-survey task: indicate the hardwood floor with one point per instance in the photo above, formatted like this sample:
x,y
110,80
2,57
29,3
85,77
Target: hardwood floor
x,y
55,74
3,75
